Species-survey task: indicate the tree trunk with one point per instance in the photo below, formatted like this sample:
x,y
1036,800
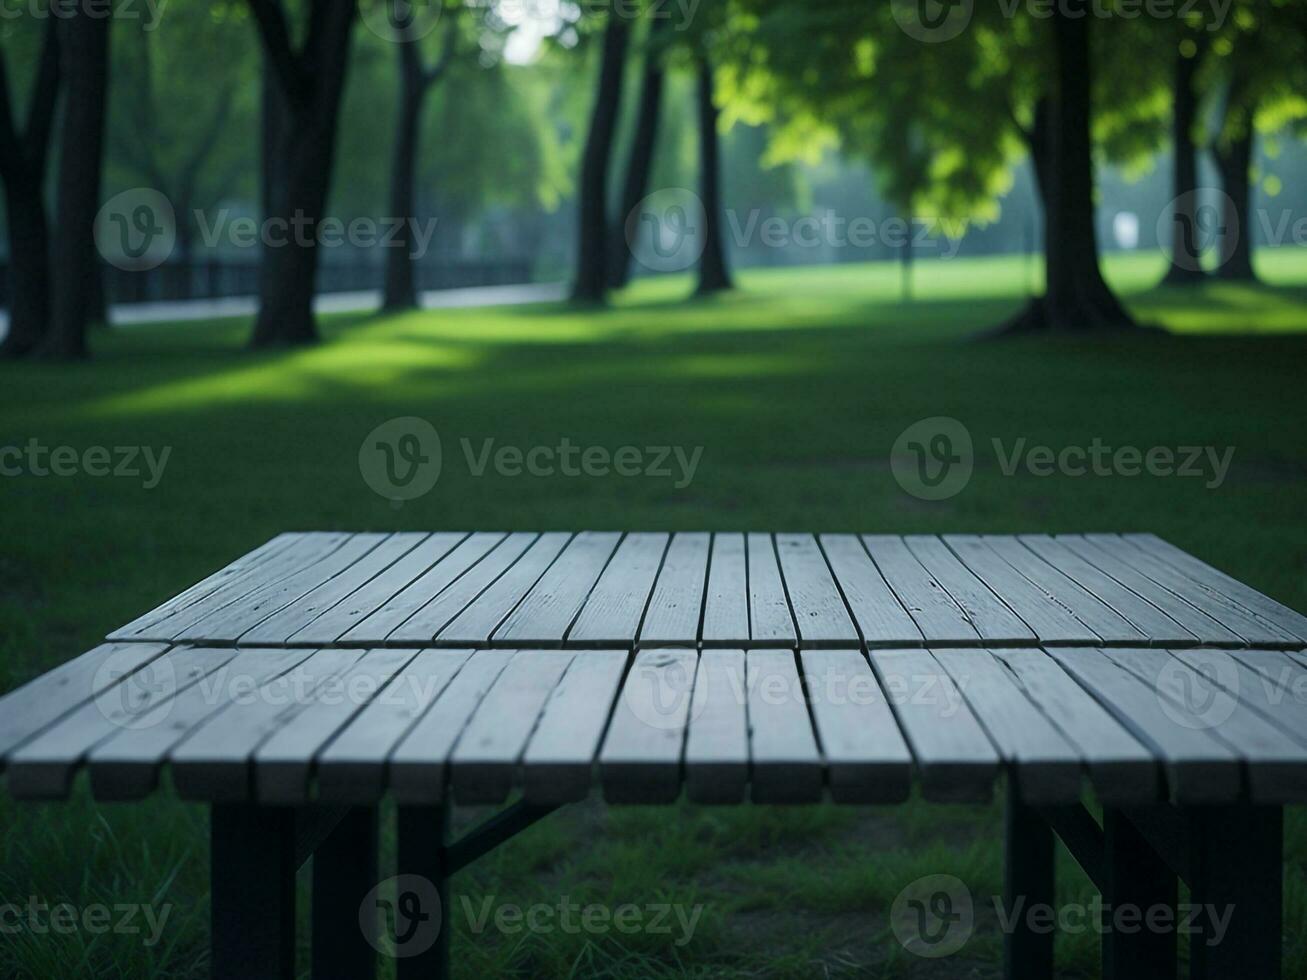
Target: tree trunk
x,y
289,267
29,266
592,223
309,85
23,157
713,273
1186,248
1076,296
1234,160
640,164
84,45
400,291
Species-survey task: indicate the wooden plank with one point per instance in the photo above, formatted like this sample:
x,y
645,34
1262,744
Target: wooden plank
x,y
205,586
559,760
880,617
726,604
1210,579
612,614
1276,690
640,761
676,608
486,758
126,765
1063,596
939,618
300,554
1226,611
1040,609
278,628
213,761
475,624
227,624
1199,768
1044,764
418,565
867,758
1208,631
770,622
993,620
353,767
1205,700
717,744
283,764
1159,628
417,612
30,709
43,768
418,764
544,615
819,610
954,757
784,762
1121,769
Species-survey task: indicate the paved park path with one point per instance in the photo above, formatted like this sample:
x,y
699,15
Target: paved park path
x,y
134,314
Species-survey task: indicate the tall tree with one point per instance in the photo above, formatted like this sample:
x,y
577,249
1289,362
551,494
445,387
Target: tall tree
x,y
309,81
1186,248
416,80
713,273
24,151
591,282
639,163
173,115
1076,296
84,52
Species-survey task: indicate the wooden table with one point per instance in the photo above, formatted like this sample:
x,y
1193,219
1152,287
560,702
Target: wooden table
x,y
295,688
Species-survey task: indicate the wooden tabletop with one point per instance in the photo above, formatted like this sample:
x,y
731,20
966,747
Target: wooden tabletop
x,y
728,667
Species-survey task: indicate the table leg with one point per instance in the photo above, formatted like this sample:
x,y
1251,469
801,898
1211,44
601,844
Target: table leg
x,y
421,833
344,871
1028,881
1139,888
252,886
1236,867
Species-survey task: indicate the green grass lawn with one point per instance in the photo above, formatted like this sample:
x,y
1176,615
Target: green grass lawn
x,y
796,387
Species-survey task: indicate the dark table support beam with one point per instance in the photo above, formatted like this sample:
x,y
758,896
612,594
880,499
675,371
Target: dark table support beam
x,y
419,919
1236,855
344,872
1082,836
498,829
1139,898
252,881
1028,882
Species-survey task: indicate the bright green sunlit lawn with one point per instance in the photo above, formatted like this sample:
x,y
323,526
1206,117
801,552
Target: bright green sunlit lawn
x,y
796,387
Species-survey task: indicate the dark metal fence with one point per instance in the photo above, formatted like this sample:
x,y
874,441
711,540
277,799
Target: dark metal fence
x,y
218,278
